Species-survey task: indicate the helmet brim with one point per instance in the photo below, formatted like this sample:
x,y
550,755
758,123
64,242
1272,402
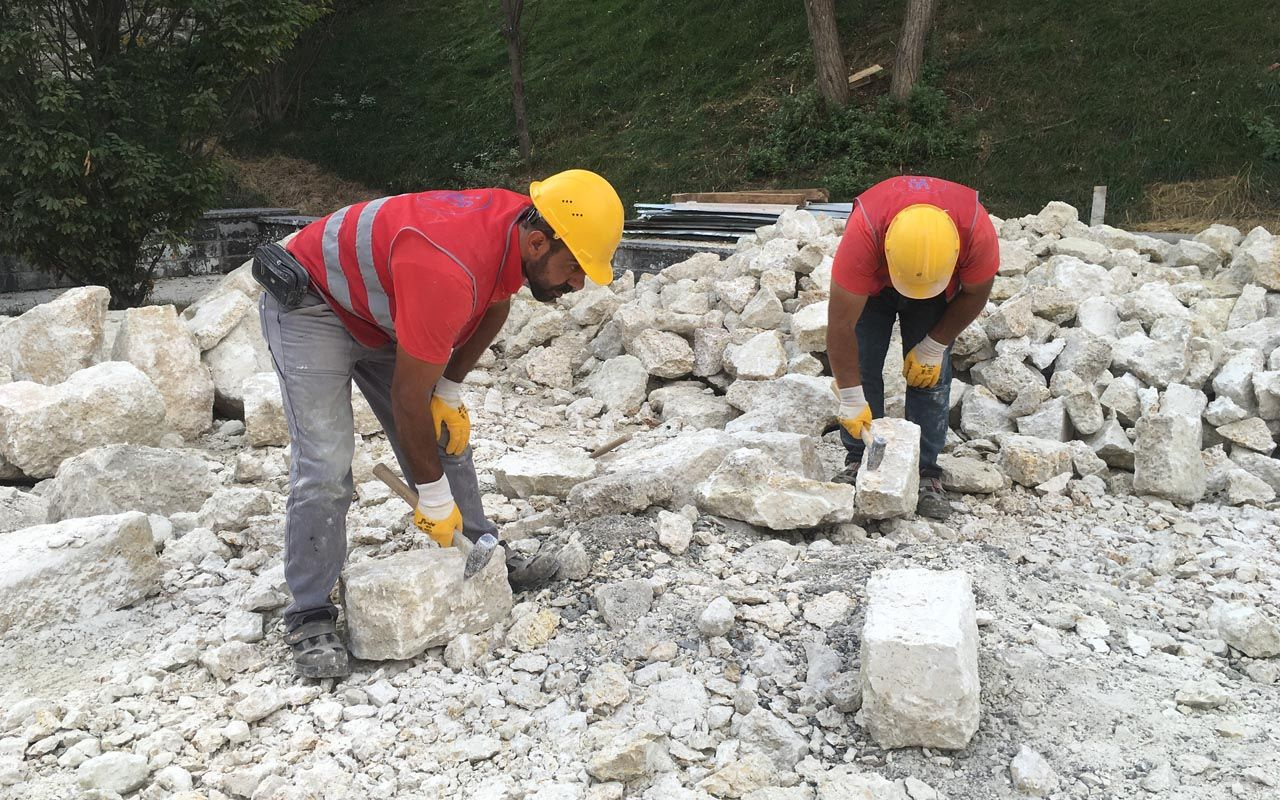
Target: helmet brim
x,y
919,291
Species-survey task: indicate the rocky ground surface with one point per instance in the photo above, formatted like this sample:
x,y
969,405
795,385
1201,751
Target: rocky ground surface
x,y
707,635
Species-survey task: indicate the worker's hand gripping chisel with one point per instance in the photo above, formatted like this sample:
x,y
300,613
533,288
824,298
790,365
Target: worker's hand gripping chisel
x,y
477,554
875,449
875,445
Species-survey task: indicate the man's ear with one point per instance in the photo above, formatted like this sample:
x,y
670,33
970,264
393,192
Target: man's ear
x,y
538,243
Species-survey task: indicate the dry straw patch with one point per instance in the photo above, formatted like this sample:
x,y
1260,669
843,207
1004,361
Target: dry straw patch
x,y
1192,206
294,183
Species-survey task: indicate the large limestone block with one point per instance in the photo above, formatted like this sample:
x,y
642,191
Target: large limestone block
x,y
1031,461
747,487
1083,249
620,383
125,477
264,422
241,354
761,357
982,415
75,569
1246,629
685,460
1157,363
809,328
41,426
542,471
56,339
402,604
846,783
210,321
765,311
891,490
699,409
19,509
1236,378
795,403
1112,445
1257,260
1266,387
156,342
969,475
920,681
1166,459
664,354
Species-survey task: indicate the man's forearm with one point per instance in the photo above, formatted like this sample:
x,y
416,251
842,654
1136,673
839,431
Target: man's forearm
x,y
416,431
468,353
842,352
960,314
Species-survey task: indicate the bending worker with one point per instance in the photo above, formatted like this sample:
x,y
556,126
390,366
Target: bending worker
x,y
406,293
921,251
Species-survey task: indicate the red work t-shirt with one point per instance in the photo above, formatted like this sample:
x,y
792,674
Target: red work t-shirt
x,y
860,265
421,269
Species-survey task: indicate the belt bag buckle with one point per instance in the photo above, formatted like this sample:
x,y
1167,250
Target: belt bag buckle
x,y
280,274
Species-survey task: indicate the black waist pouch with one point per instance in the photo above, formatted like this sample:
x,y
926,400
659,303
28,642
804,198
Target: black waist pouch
x,y
280,274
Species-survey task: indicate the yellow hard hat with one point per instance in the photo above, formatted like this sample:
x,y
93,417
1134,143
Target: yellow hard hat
x,y
921,248
586,214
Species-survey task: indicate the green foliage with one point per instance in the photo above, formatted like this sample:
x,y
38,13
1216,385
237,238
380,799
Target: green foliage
x,y
666,95
848,149
1263,127
107,129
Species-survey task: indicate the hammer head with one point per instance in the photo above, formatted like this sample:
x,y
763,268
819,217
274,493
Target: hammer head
x,y
478,554
874,453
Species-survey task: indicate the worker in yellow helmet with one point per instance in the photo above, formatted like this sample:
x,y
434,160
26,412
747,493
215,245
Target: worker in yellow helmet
x,y
921,251
403,295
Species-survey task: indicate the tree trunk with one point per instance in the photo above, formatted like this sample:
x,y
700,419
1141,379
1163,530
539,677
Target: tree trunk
x,y
915,30
833,76
511,12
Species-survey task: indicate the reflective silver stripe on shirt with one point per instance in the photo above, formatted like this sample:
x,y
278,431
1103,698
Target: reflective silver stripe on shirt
x,y
875,235
379,306
337,280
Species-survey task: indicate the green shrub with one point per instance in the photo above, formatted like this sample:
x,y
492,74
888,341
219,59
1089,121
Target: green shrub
x,y
107,130
848,149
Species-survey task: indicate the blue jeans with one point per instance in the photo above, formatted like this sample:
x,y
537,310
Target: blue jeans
x,y
927,408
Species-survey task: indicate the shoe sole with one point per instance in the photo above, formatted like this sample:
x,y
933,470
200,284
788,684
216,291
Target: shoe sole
x,y
335,667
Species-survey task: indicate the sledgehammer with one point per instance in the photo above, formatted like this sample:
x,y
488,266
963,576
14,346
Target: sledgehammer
x,y
478,554
875,445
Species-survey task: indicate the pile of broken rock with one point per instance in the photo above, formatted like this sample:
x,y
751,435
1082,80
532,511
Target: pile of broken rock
x,y
690,652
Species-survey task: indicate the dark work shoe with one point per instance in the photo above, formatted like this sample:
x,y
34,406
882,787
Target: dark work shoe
x,y
848,474
318,652
526,573
932,502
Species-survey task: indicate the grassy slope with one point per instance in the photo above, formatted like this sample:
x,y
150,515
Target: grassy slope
x,y
665,96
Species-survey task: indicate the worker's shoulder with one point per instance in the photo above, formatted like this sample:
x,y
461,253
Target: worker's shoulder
x,y
463,203
923,186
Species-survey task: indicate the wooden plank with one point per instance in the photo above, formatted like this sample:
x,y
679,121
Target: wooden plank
x,y
790,197
863,75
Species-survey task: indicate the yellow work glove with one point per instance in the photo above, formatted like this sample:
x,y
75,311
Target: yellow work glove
x,y
923,365
437,515
451,415
854,414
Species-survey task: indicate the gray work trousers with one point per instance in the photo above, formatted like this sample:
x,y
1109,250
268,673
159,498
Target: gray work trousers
x,y
316,359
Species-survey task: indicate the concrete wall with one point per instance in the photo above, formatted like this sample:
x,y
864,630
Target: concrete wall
x,y
220,242
224,239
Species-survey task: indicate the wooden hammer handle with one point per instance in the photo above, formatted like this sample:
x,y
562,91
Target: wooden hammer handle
x,y
393,482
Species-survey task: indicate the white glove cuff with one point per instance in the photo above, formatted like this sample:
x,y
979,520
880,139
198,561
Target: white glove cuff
x,y
449,391
853,396
435,499
930,348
